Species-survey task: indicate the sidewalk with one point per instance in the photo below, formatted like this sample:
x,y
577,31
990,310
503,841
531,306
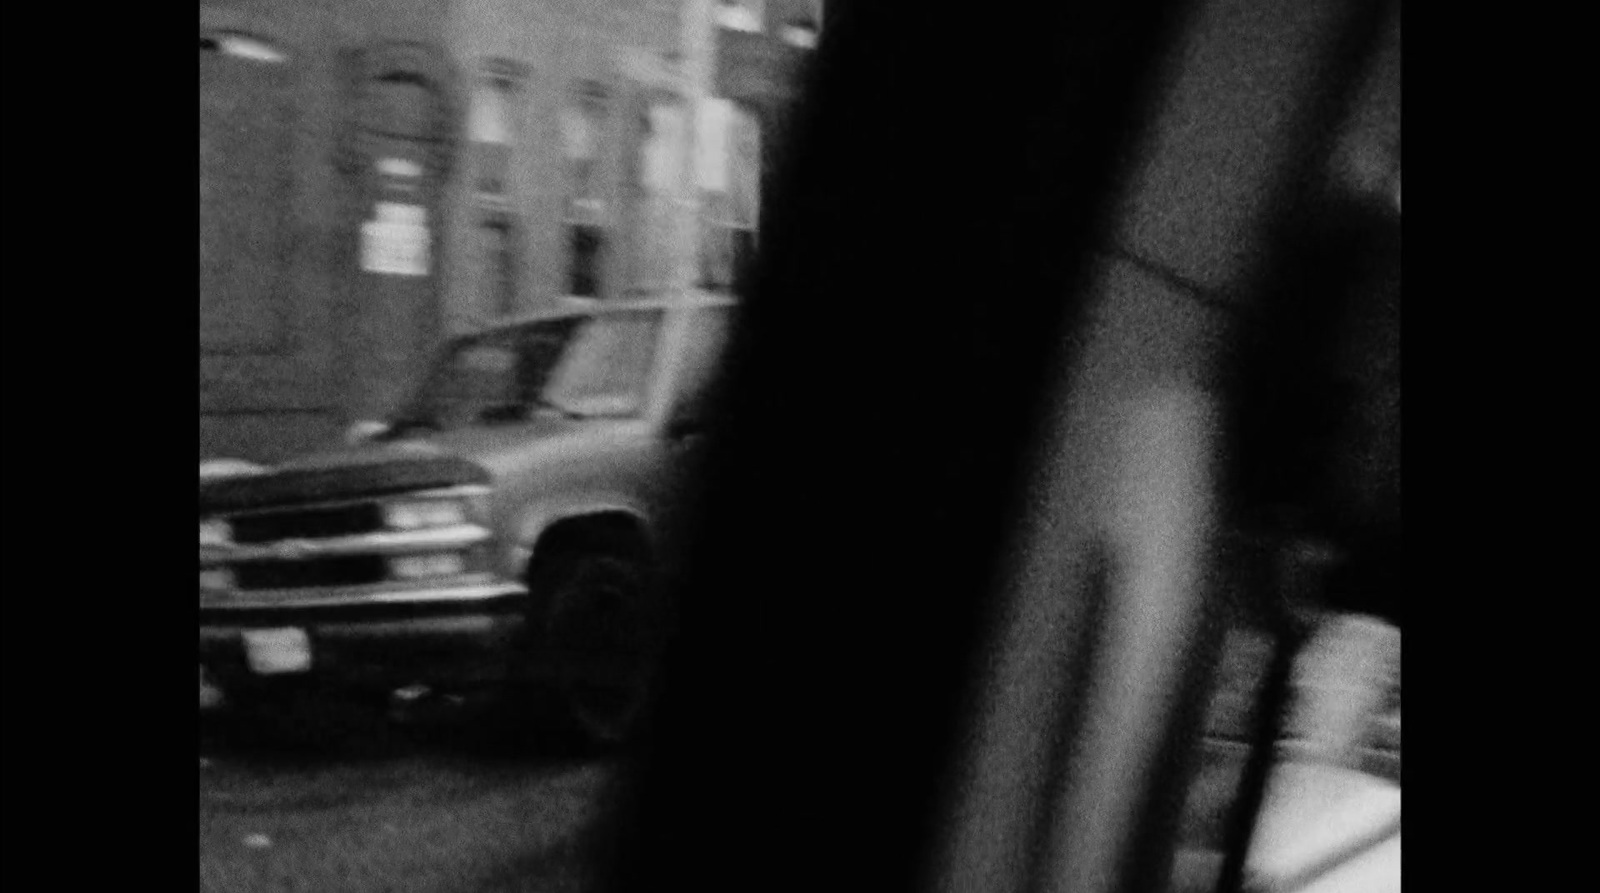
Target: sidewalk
x,y
1323,828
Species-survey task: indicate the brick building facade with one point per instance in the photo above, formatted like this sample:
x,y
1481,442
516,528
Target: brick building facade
x,y
299,102
377,175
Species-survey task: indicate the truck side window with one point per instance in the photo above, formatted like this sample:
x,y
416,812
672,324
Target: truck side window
x,y
605,369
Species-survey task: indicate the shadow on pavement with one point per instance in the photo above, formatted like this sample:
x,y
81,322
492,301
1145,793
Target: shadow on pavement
x,y
305,729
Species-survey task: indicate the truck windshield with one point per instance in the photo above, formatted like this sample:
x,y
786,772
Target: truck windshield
x,y
580,367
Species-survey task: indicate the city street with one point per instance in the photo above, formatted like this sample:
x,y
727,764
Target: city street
x,y
457,804
333,798
613,411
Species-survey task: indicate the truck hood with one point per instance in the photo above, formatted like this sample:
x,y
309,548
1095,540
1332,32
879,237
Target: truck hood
x,y
496,449
468,456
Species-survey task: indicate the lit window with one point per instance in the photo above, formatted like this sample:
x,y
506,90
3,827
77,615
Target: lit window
x,y
745,169
403,104
497,285
658,166
585,245
662,148
713,126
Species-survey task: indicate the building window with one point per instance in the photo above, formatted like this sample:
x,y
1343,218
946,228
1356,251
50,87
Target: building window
x,y
495,289
585,214
728,168
741,15
493,129
655,179
493,125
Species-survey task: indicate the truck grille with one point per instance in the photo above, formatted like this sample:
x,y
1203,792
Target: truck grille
x,y
344,570
335,545
318,523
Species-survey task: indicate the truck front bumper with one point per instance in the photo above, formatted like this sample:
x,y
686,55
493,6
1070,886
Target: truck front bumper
x,y
450,636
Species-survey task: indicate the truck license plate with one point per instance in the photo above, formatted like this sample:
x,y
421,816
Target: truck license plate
x,y
210,694
277,651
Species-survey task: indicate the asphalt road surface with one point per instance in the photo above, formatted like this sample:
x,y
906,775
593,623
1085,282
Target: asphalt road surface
x,y
302,800
325,797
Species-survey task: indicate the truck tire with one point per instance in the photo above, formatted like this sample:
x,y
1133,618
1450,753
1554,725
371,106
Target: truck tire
x,y
602,630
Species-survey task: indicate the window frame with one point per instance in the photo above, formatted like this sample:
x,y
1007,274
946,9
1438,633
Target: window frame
x,y
587,204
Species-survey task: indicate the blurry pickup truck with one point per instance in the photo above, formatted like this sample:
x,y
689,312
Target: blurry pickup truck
x,y
513,521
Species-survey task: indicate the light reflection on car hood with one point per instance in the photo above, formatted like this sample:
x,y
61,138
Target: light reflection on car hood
x,y
498,449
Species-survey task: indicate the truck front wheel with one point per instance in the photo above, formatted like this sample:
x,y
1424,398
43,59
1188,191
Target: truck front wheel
x,y
600,630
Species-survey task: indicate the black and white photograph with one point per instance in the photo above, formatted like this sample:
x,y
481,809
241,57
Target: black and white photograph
x,y
799,445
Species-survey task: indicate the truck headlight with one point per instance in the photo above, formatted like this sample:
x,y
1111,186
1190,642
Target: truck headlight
x,y
213,579
418,567
419,514
214,532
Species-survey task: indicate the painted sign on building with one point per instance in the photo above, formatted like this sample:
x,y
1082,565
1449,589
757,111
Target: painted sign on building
x,y
395,241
